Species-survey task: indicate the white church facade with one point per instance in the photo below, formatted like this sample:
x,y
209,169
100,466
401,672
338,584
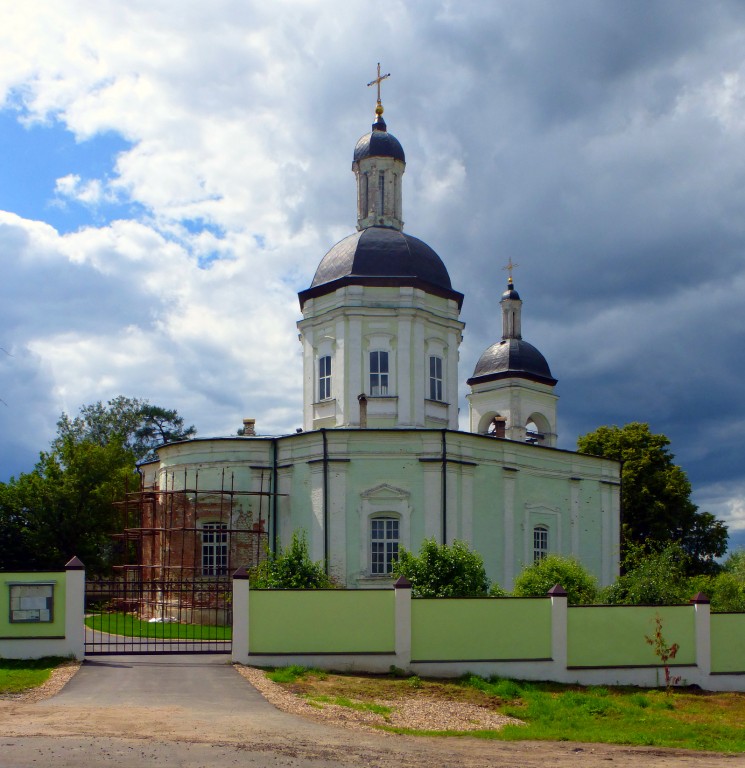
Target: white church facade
x,y
380,462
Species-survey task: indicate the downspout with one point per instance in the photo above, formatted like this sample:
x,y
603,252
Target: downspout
x,y
444,505
325,499
274,495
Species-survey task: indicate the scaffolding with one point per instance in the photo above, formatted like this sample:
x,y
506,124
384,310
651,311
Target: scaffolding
x,y
177,547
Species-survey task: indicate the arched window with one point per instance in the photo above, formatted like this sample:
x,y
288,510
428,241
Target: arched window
x,y
540,542
214,549
384,537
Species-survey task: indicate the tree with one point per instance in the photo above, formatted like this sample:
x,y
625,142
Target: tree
x,y
538,578
290,568
64,507
440,570
655,577
140,426
655,495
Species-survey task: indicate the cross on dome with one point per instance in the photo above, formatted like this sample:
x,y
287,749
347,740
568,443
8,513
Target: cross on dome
x,y
377,81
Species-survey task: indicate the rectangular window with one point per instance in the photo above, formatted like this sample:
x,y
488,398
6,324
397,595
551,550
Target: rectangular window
x,y
324,377
435,378
540,542
214,549
381,192
363,196
384,541
378,373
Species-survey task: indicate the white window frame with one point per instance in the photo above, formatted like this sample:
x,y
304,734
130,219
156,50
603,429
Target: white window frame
x,y
540,542
385,540
436,382
379,360
324,377
215,550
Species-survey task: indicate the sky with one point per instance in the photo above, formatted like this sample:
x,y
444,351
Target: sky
x,y
172,174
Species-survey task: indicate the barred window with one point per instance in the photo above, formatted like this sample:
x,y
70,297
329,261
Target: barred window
x,y
384,543
214,549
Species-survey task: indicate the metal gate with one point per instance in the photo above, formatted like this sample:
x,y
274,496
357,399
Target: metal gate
x,y
158,616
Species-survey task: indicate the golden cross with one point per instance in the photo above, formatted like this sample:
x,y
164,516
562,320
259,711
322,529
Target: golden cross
x,y
378,80
510,266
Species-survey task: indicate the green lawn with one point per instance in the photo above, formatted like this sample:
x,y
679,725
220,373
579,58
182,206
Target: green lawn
x,y
683,718
130,626
19,674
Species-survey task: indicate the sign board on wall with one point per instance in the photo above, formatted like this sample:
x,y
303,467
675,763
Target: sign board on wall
x,y
31,602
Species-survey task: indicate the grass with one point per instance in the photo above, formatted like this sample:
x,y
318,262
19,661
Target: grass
x,y
130,626
18,675
683,718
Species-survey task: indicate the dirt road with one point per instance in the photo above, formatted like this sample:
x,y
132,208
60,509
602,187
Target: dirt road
x,y
198,711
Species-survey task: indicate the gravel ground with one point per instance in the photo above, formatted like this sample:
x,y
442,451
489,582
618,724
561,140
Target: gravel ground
x,y
417,713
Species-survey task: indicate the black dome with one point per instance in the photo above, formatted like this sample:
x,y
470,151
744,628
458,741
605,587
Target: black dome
x,y
381,256
512,358
378,143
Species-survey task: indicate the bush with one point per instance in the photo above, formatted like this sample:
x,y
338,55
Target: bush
x,y
537,579
654,578
440,570
290,568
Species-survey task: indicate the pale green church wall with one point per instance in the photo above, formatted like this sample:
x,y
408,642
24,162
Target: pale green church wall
x,y
486,629
607,636
321,621
728,642
497,490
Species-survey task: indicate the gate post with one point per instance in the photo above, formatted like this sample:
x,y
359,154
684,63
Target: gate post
x,y
559,631
75,608
702,618
240,650
402,589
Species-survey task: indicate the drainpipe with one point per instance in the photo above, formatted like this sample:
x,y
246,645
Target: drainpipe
x,y
325,499
444,505
274,496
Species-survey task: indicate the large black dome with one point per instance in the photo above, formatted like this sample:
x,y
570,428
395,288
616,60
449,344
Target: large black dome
x,y
512,358
381,256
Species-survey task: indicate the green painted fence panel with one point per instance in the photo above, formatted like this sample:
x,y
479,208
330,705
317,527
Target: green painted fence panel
x,y
54,628
319,621
480,629
728,642
614,636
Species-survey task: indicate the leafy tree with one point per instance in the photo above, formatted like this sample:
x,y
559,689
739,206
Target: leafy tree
x,y
655,495
64,507
140,426
651,578
440,570
290,568
538,578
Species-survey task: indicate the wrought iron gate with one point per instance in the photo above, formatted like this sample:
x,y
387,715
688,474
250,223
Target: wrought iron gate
x,y
158,616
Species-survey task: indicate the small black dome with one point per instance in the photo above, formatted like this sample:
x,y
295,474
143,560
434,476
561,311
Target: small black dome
x,y
512,358
379,143
511,293
381,256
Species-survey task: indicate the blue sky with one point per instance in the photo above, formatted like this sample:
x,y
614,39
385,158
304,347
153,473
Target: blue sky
x,y
173,174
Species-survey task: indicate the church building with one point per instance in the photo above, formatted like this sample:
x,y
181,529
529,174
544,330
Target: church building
x,y
380,462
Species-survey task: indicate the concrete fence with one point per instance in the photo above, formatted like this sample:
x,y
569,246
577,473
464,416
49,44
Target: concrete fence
x,y
41,614
521,638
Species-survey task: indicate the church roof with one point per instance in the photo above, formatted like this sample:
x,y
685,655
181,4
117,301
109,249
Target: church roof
x,y
379,143
512,358
381,256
